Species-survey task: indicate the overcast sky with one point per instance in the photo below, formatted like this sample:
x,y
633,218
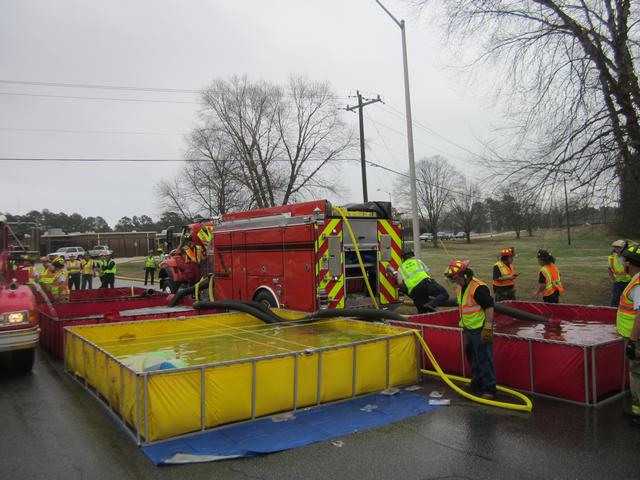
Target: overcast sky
x,y
184,45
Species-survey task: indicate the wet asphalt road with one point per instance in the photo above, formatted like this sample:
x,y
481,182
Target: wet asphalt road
x,y
51,428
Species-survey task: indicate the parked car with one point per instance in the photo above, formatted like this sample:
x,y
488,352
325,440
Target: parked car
x,y
445,235
427,237
100,250
66,252
461,236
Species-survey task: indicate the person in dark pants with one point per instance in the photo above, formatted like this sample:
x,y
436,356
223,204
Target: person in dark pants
x,y
74,272
149,267
549,281
426,293
87,272
109,269
504,277
476,318
617,273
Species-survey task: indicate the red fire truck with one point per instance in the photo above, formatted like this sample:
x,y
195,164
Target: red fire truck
x,y
18,314
308,256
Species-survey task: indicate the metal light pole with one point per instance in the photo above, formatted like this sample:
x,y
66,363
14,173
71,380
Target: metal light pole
x,y
412,161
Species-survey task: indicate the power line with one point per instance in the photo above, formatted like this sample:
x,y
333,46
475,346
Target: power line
x,y
73,97
110,132
145,160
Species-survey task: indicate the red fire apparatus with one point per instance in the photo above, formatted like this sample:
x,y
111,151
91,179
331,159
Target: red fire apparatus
x,y
306,256
18,314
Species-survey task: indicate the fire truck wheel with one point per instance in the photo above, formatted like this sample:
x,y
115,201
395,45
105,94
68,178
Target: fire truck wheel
x,y
266,299
22,360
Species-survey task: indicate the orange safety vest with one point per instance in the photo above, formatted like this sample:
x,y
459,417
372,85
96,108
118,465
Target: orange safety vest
x,y
505,270
616,267
552,279
626,315
471,313
192,255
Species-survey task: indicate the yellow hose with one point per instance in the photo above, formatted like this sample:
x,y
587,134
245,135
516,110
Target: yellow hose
x,y
211,288
526,407
341,211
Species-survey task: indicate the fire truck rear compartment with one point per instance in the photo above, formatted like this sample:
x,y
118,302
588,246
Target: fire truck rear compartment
x,y
365,232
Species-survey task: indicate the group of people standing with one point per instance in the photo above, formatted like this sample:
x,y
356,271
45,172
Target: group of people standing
x,y
59,276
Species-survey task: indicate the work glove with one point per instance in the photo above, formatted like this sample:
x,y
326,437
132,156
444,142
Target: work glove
x,y
631,350
486,336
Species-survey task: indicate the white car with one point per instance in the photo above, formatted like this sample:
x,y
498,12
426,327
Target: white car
x,y
66,252
427,237
98,250
461,235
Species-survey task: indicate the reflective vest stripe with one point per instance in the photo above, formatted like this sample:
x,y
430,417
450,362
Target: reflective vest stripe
x,y
151,262
626,315
471,313
616,267
109,270
505,270
412,272
552,280
73,266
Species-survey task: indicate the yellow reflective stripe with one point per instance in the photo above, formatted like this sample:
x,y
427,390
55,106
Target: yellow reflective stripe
x,y
389,229
336,288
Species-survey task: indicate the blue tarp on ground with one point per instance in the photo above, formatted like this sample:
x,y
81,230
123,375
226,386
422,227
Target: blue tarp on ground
x,y
303,428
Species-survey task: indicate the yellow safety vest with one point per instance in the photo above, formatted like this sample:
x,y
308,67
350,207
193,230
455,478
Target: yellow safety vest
x,y
471,313
204,235
616,267
505,270
73,266
626,315
109,270
87,266
552,279
151,262
61,292
412,272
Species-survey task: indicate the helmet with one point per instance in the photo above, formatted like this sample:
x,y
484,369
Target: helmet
x,y
543,254
632,252
619,243
456,268
58,261
160,249
506,252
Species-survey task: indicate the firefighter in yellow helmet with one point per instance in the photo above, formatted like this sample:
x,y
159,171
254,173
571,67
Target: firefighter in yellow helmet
x,y
504,276
476,318
59,286
617,272
628,325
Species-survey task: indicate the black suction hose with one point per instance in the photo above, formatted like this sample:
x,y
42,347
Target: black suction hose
x,y
519,314
245,307
368,314
179,294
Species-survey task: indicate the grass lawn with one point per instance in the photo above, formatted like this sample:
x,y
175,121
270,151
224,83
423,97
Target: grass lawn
x,y
134,269
582,265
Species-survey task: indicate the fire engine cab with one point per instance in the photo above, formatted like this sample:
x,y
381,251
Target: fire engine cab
x,y
19,330
308,256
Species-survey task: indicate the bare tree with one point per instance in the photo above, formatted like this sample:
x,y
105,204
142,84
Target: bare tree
x,y
568,72
281,138
435,179
467,207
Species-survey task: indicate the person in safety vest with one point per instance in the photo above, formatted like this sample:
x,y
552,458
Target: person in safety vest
x,y
476,318
504,277
74,269
100,266
109,269
58,284
191,252
88,272
549,281
46,266
628,325
617,271
150,266
413,276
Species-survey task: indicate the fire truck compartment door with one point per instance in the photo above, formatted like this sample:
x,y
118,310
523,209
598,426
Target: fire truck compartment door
x,y
385,248
335,256
239,275
365,231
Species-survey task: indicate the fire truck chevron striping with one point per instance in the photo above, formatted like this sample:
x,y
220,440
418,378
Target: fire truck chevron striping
x,y
333,286
388,233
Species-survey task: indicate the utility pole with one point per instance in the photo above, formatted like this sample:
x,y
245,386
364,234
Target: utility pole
x,y
363,163
566,208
